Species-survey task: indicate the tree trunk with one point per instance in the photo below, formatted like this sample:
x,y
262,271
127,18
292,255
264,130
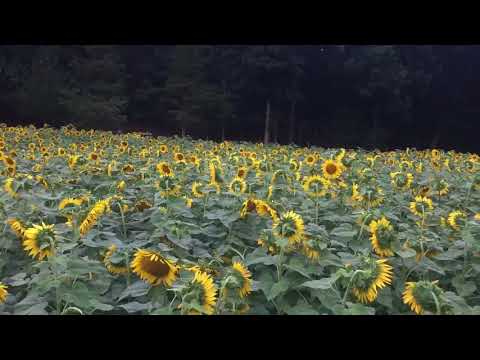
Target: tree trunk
x,y
275,129
267,124
291,131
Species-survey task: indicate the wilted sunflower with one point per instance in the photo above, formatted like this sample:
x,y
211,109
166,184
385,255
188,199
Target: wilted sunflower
x,y
238,185
263,209
453,219
16,227
373,274
202,290
92,217
332,169
248,206
316,186
39,241
381,236
3,293
112,268
421,296
154,268
420,205
289,225
164,169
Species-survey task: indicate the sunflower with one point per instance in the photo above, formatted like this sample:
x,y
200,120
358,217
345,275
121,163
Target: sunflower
x,y
248,206
242,172
293,165
400,180
263,209
128,169
244,277
310,160
332,169
98,209
8,187
179,158
17,227
316,186
441,187
39,240
154,268
356,197
114,269
289,225
381,236
163,149
310,252
420,204
121,186
93,156
238,185
203,291
3,293
67,202
196,189
453,219
72,161
421,296
373,275
164,169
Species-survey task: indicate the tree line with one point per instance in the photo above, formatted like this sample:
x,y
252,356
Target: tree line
x,y
365,96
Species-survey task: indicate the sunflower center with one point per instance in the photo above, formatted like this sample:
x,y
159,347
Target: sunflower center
x,y
156,268
331,169
166,169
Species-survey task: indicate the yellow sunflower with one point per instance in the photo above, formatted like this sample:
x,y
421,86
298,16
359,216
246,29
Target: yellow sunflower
x,y
196,189
244,276
163,149
203,290
263,209
16,227
70,202
401,180
332,169
248,206
39,241
242,172
114,269
373,275
316,186
419,296
453,219
289,225
179,158
121,186
98,209
238,185
420,204
128,169
8,187
164,169
154,268
381,237
3,293
310,160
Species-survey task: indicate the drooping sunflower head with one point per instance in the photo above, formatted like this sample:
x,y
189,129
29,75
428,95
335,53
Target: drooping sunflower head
x,y
39,241
332,169
200,296
197,189
238,186
441,187
241,281
421,205
70,203
164,169
153,268
422,296
263,209
115,261
401,180
372,275
293,165
128,169
248,206
290,226
316,186
456,219
382,236
17,227
8,187
3,293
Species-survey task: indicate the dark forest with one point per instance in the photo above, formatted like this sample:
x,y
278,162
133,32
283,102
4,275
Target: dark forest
x,y
384,97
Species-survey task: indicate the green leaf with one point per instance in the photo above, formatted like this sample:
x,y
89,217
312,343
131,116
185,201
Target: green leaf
x,y
278,288
135,306
325,283
303,309
136,289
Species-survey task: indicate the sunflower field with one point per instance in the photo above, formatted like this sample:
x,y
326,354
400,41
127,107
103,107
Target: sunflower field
x,y
100,223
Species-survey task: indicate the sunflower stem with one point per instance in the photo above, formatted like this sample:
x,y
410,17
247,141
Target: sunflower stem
x,y
437,303
349,284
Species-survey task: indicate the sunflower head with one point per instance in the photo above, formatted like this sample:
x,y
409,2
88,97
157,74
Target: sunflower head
x,y
128,169
238,186
248,206
153,268
423,296
290,226
164,169
332,169
370,276
115,261
238,280
316,186
3,293
382,237
456,219
200,295
39,241
421,205
401,180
